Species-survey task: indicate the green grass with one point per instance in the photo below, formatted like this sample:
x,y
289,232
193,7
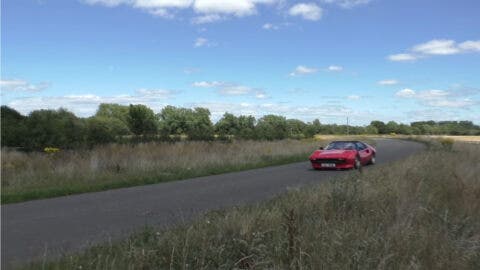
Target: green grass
x,y
55,191
419,213
29,176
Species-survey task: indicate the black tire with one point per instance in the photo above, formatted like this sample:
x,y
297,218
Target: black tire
x,y
373,160
358,163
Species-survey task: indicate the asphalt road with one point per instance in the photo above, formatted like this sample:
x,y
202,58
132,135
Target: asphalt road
x,y
46,228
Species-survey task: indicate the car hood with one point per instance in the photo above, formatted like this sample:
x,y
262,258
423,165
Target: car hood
x,y
332,154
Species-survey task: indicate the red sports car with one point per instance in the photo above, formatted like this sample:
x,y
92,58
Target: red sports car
x,y
343,155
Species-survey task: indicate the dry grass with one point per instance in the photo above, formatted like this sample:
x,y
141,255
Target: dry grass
x,y
470,139
328,137
466,139
37,175
420,213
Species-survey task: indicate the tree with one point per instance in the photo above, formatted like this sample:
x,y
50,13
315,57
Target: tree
x,y
246,127
296,128
115,115
272,127
141,120
380,126
227,125
391,127
57,128
371,129
13,127
199,125
313,128
173,121
196,123
104,130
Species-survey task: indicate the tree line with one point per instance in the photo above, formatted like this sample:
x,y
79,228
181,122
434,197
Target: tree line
x,y
120,123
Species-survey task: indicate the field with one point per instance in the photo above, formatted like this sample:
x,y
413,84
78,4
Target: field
x,y
36,175
469,139
419,213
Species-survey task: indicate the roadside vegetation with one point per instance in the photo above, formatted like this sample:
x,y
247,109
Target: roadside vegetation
x,y
419,213
33,175
137,123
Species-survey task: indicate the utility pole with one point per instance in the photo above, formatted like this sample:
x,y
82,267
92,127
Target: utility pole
x,y
348,131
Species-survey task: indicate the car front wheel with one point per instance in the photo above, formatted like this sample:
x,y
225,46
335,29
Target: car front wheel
x,y
373,160
357,163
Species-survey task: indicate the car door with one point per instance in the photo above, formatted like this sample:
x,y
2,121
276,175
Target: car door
x,y
364,152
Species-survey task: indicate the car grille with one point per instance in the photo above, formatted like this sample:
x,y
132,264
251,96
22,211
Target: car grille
x,y
329,160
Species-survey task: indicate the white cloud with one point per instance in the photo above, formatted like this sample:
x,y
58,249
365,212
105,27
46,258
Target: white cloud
x,y
154,93
303,70
211,10
308,11
15,85
438,98
437,47
108,3
87,104
335,68
235,90
405,93
206,84
347,3
159,8
238,7
402,57
161,3
388,82
203,42
231,89
451,103
432,94
353,97
269,26
161,12
209,18
467,46
261,94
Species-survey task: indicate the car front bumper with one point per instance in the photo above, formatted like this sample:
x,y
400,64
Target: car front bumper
x,y
338,164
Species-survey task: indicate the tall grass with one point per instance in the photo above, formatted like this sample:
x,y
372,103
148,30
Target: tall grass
x,y
39,175
420,213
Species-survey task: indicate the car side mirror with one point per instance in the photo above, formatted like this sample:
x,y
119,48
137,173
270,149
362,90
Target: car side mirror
x,y
320,148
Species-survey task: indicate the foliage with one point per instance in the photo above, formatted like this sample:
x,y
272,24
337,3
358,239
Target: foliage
x,y
115,116
141,120
56,128
13,128
104,130
116,123
272,127
196,123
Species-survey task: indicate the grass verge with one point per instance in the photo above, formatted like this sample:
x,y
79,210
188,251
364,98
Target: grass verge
x,y
419,213
28,176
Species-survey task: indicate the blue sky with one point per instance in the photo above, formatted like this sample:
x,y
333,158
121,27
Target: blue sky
x,y
367,60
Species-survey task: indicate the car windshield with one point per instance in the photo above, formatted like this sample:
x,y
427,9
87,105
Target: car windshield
x,y
341,146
